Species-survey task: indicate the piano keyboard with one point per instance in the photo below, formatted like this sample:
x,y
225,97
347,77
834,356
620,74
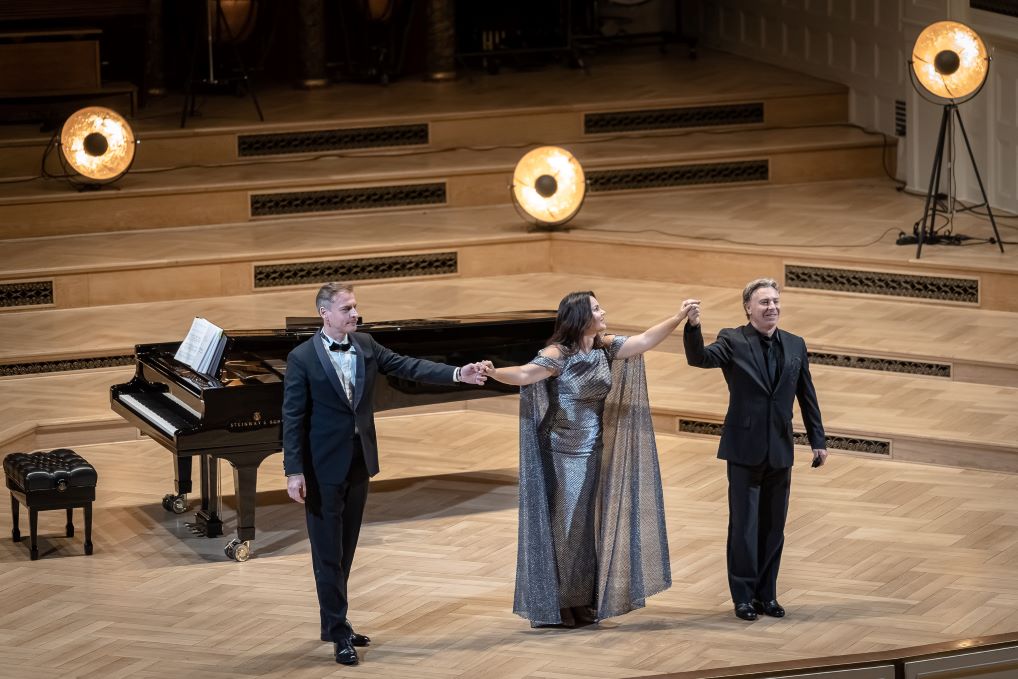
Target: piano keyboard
x,y
183,405
158,410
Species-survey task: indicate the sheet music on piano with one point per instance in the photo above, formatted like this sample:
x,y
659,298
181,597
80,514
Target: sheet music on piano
x,y
203,346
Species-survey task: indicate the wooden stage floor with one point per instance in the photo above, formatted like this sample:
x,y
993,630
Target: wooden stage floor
x,y
880,555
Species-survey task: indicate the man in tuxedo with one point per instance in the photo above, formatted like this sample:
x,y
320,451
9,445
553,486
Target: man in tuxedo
x,y
329,445
766,369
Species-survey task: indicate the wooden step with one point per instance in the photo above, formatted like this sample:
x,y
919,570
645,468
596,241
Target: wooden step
x,y
861,335
707,236
624,95
883,416
454,178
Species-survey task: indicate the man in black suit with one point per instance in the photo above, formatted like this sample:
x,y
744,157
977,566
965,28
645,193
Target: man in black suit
x,y
329,445
766,369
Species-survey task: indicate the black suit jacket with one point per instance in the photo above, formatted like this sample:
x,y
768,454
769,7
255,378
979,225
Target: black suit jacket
x,y
319,420
758,425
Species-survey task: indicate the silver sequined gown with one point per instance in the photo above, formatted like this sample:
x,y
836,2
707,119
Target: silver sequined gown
x,y
573,428
591,528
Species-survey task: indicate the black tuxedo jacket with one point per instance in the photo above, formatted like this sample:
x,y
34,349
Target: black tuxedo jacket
x,y
319,420
758,425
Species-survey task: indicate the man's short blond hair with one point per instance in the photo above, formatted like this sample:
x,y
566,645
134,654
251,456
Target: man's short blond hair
x,y
328,292
753,286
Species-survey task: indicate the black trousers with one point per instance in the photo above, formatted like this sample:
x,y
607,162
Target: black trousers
x,y
757,508
334,514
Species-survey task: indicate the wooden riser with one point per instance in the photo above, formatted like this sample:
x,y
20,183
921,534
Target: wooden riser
x,y
728,268
224,196
180,271
961,425
931,343
559,125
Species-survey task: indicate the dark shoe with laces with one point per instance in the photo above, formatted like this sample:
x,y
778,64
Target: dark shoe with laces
x,y
745,612
770,608
360,640
345,653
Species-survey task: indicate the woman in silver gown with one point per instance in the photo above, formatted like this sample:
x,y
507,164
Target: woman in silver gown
x,y
592,542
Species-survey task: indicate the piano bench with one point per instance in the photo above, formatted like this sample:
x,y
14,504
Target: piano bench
x,y
58,479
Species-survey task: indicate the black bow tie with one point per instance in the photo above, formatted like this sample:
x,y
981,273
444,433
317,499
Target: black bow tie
x,y
336,346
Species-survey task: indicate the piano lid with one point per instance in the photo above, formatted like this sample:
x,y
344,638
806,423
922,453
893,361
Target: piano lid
x,y
313,323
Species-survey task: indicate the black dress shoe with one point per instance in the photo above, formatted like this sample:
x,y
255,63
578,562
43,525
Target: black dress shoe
x,y
359,639
345,653
584,615
745,612
771,608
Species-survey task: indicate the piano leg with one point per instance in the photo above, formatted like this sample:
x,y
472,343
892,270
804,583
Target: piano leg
x,y
177,502
245,481
207,521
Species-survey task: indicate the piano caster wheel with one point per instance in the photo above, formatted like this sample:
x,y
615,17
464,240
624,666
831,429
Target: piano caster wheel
x,y
237,550
175,503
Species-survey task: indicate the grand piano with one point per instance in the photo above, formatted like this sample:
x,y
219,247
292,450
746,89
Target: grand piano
x,y
235,413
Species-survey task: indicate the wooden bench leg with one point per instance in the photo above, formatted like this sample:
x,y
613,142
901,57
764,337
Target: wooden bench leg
x,y
70,522
15,510
33,528
88,528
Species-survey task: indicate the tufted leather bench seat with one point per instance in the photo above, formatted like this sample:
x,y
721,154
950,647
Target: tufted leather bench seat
x,y
58,479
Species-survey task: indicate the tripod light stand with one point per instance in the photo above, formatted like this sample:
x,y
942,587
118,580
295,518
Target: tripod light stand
x,y
948,67
217,25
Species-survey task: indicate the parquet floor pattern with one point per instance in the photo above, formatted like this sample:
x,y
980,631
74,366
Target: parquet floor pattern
x,y
879,555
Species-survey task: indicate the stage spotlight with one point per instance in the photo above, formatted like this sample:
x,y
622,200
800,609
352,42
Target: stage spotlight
x,y
948,67
949,61
96,147
548,187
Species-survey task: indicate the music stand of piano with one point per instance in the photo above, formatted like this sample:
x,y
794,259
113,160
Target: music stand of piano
x,y
235,413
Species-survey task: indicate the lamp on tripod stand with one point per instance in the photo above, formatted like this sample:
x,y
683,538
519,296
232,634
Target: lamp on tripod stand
x,y
948,67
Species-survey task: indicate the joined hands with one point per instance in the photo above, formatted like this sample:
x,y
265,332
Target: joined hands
x,y
691,310
475,373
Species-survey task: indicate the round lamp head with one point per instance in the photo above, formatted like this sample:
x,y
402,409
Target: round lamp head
x,y
949,60
97,144
548,185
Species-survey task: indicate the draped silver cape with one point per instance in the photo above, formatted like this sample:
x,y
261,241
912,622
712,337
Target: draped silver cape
x,y
632,544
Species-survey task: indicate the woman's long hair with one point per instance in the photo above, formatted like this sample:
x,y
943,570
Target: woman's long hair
x,y
571,323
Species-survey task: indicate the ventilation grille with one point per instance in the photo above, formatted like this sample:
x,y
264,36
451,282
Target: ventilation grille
x,y
319,141
880,283
900,118
834,441
26,294
366,268
673,118
12,369
627,179
339,200
893,365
